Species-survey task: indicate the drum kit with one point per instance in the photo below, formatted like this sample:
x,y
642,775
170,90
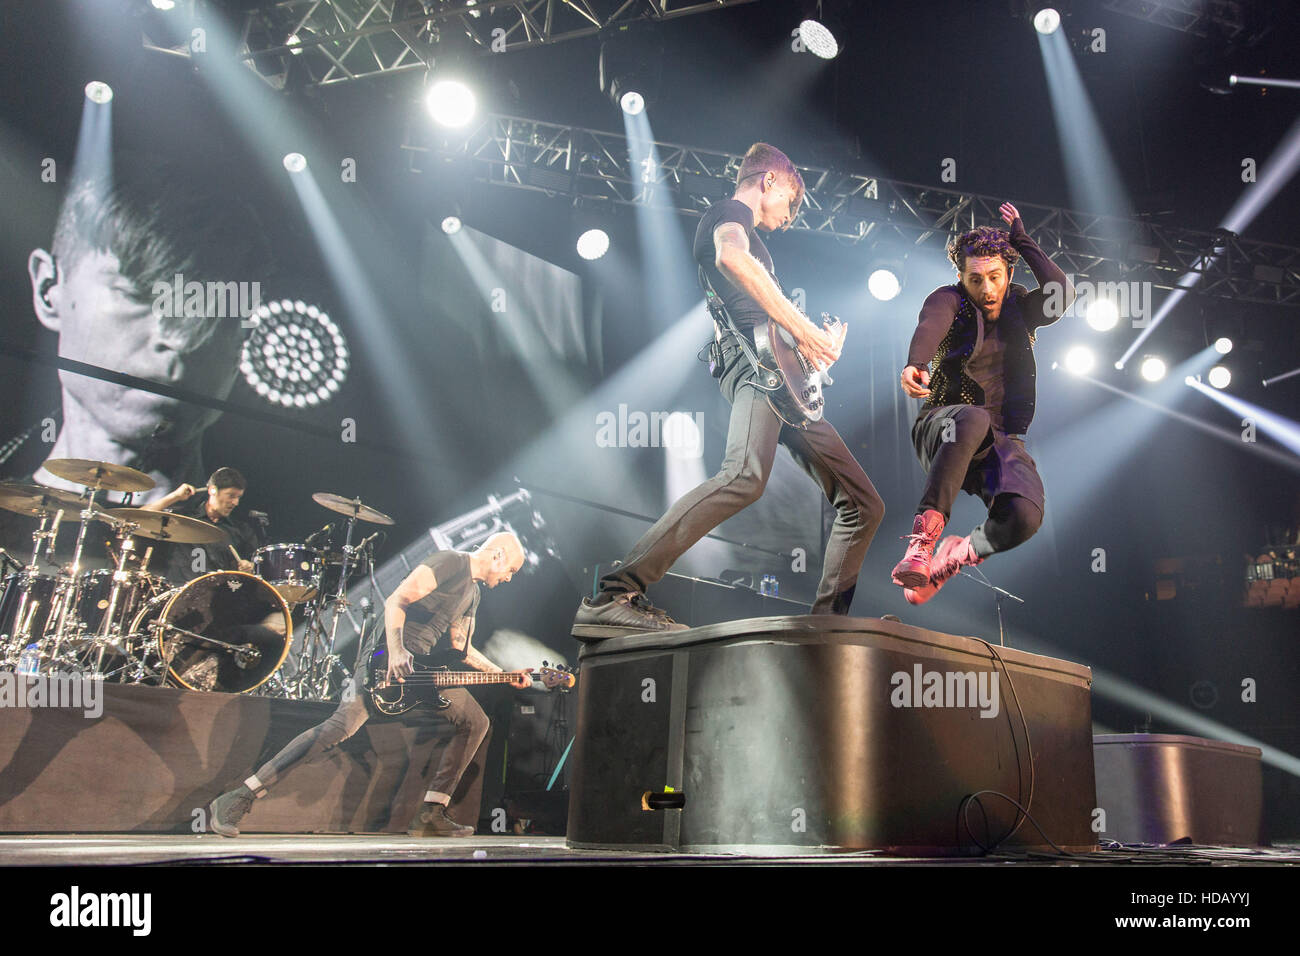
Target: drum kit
x,y
223,631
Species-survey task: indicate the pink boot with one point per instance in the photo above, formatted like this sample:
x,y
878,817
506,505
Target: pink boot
x,y
953,554
914,570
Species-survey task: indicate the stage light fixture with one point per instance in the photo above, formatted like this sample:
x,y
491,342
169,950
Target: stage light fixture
x,y
163,4
296,356
1047,21
294,43
1223,345
1154,368
451,225
1079,360
593,244
295,162
1102,315
98,92
451,103
818,39
632,102
1220,377
884,284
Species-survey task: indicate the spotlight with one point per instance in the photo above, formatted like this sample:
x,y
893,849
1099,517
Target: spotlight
x,y
163,4
296,355
883,284
885,272
294,43
1080,360
1223,345
593,244
1102,315
451,225
295,162
818,39
632,102
1220,377
98,92
451,103
1153,368
1047,20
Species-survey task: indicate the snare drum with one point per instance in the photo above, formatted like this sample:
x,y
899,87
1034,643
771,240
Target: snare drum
x,y
292,569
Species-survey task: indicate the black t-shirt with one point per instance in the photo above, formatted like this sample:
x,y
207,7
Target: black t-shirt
x,y
987,366
743,308
455,596
176,561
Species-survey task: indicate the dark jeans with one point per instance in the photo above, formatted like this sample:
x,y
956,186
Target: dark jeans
x,y
961,450
466,717
752,437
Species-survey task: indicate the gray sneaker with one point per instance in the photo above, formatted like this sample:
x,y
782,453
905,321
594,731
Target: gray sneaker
x,y
225,812
629,613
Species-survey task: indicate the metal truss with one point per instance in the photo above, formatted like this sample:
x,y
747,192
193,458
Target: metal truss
x,y
1198,17
338,41
593,167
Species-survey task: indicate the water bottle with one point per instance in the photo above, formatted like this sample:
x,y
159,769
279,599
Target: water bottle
x,y
772,587
30,661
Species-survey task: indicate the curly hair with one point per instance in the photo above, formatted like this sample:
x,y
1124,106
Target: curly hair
x,y
980,243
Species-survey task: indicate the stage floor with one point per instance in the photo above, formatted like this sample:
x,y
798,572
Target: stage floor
x,y
162,849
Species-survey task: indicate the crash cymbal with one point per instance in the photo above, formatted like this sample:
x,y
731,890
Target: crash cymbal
x,y
36,500
352,507
99,474
165,526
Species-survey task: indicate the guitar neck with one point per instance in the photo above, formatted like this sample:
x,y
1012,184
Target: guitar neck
x,y
461,678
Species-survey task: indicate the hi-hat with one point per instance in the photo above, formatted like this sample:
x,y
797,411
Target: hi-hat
x,y
352,507
36,500
165,526
99,474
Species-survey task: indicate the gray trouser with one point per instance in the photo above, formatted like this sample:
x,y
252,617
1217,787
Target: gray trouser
x,y
752,437
466,717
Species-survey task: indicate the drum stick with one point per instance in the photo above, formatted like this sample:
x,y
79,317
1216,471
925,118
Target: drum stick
x,y
148,553
234,552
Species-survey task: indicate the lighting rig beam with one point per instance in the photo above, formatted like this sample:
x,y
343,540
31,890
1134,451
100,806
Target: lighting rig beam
x,y
344,40
575,162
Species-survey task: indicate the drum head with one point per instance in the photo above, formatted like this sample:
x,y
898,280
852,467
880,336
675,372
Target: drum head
x,y
225,631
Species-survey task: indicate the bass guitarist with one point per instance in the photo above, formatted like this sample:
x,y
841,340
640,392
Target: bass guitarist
x,y
736,263
437,599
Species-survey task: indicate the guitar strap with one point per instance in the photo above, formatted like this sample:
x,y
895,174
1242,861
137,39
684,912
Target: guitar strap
x,y
722,318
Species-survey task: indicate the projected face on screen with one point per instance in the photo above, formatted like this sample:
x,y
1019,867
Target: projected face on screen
x,y
105,287
104,320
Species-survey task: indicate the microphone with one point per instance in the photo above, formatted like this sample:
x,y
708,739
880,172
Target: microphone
x,y
323,532
260,516
6,559
366,542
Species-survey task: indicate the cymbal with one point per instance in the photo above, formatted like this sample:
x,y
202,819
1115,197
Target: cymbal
x,y
165,526
99,474
36,500
352,507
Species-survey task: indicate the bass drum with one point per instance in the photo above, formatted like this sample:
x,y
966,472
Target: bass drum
x,y
225,631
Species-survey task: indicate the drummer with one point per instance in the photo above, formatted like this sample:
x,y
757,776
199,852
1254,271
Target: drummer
x,y
185,562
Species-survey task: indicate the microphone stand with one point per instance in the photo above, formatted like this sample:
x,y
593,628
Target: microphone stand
x,y
998,594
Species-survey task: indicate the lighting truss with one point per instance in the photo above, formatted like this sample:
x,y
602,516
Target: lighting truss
x,y
338,41
1226,18
594,166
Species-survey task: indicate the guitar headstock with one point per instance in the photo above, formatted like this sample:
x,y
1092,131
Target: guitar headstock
x,y
556,677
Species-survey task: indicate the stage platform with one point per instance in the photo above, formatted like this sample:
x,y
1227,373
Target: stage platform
x,y
63,849
820,733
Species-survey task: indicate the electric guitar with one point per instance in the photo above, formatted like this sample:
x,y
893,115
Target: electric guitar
x,y
792,383
428,677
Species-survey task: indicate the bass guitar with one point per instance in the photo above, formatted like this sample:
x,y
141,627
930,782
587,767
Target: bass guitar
x,y
429,676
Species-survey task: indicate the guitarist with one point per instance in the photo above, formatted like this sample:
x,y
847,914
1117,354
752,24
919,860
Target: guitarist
x,y
437,600
737,265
